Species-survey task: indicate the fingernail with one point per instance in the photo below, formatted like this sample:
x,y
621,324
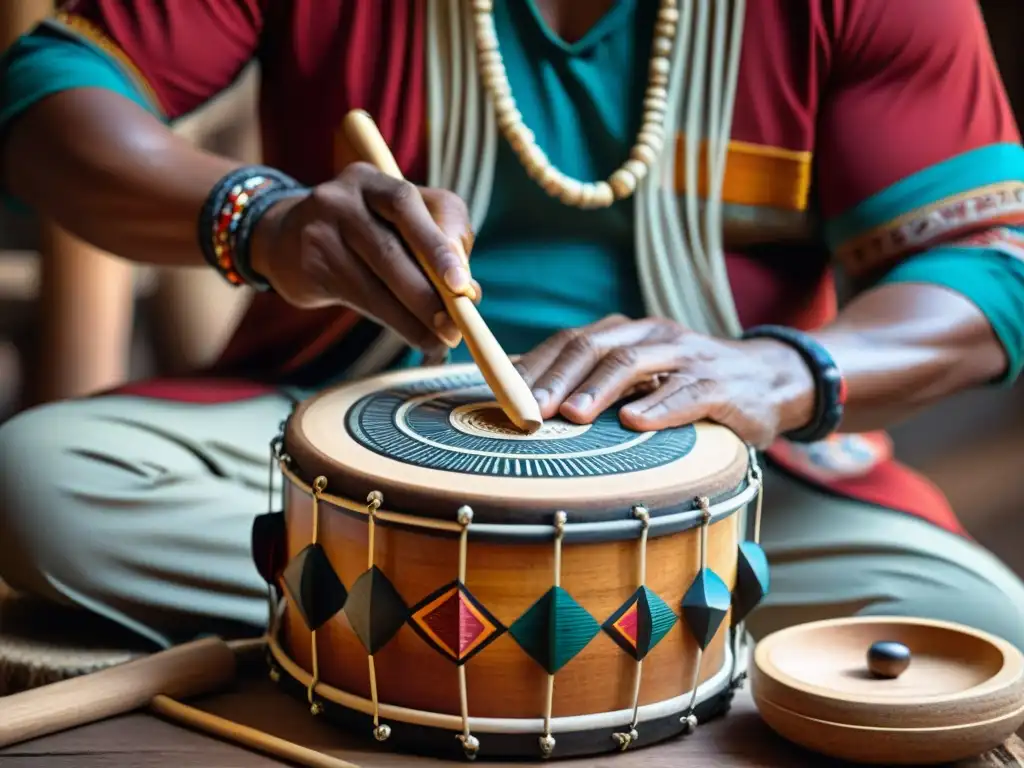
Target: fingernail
x,y
580,402
541,396
457,279
447,330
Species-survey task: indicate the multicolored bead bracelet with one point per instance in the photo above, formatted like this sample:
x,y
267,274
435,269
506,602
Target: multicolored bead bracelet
x,y
226,216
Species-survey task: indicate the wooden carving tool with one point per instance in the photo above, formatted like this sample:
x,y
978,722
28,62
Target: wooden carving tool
x,y
511,392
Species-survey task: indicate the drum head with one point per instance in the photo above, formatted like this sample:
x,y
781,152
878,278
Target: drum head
x,y
434,439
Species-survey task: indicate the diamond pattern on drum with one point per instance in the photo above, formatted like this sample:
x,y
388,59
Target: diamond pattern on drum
x,y
640,624
554,629
375,609
705,605
455,623
753,579
313,587
268,545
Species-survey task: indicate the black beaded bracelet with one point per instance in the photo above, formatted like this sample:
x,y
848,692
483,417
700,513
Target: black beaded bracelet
x,y
829,384
247,225
222,211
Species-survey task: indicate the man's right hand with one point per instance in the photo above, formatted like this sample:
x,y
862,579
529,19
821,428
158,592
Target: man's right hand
x,y
350,242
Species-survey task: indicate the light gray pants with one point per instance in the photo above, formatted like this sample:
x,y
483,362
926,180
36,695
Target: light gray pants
x,y
140,510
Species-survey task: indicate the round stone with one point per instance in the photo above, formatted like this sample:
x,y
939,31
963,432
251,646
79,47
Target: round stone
x,y
888,659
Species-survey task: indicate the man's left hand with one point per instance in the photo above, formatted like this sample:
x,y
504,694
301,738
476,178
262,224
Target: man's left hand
x,y
758,388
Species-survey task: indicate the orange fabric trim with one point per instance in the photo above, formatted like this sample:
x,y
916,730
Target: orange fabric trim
x,y
755,175
101,40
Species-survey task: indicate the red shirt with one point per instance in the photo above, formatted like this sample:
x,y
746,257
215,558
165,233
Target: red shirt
x,y
837,101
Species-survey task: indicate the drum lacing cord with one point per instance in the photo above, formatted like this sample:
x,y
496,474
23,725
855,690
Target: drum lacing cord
x,y
276,457
547,741
755,475
315,707
625,739
470,743
381,732
689,720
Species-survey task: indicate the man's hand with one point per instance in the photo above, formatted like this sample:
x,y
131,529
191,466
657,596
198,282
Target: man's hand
x,y
759,389
351,242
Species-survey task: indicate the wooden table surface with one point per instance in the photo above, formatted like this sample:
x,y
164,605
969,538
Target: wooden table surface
x,y
739,740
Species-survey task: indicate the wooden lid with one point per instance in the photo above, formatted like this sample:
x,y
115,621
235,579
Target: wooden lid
x,y
963,689
433,439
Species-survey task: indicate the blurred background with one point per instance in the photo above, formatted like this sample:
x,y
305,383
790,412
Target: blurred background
x,y
74,320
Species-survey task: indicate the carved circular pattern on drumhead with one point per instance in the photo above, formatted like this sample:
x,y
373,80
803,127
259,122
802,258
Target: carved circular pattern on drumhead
x,y
486,419
452,424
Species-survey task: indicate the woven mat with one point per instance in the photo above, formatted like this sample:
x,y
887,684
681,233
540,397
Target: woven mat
x,y
42,643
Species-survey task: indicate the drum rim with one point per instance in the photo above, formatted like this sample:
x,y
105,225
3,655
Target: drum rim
x,y
685,516
728,677
307,462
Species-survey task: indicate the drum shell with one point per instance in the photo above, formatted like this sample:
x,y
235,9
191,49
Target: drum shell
x,y
503,681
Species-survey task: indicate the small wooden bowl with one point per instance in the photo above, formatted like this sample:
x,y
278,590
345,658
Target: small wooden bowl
x,y
962,695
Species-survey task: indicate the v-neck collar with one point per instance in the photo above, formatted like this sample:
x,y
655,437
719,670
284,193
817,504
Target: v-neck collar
x,y
594,35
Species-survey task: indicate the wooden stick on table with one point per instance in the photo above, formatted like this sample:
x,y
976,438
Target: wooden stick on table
x,y
154,681
244,736
187,670
511,392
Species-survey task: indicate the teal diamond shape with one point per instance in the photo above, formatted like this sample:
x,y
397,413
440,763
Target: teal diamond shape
x,y
753,580
554,629
705,606
663,618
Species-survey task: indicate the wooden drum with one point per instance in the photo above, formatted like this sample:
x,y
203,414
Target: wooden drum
x,y
448,584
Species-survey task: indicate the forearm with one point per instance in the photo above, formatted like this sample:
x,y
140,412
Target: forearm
x,y
904,346
112,174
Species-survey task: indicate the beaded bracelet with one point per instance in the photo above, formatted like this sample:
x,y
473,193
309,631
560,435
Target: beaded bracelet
x,y
223,212
246,225
829,384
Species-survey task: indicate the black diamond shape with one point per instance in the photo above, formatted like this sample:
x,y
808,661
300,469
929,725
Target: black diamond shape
x,y
375,609
268,545
313,586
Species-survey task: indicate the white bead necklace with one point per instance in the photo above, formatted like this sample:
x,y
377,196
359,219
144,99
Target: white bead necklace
x,y
650,139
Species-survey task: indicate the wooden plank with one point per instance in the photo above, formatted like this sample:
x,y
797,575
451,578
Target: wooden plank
x,y
740,740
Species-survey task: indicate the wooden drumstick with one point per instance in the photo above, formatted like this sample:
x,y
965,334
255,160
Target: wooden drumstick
x,y
244,736
199,667
511,392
